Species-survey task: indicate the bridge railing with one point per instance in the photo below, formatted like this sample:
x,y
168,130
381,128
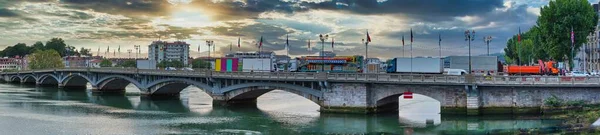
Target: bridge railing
x,y
537,80
354,77
383,77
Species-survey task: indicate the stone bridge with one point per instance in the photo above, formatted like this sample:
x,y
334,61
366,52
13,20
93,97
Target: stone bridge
x,y
334,92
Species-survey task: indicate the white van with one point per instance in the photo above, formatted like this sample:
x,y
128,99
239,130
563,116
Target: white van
x,y
448,71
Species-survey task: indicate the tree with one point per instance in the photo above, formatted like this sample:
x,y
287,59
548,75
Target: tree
x,y
198,63
105,63
128,63
556,21
85,52
38,46
57,44
20,49
46,59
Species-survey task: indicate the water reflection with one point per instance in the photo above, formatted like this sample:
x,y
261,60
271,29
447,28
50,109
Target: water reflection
x,y
276,112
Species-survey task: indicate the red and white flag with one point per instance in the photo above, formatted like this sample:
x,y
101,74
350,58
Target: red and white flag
x,y
368,37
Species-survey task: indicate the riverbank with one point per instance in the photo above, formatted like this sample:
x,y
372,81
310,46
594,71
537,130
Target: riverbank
x,y
577,119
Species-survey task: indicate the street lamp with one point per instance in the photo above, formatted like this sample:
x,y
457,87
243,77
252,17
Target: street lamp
x,y
487,40
137,49
129,53
470,36
209,43
323,38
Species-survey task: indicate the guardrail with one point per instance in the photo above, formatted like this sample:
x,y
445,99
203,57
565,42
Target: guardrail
x,y
351,77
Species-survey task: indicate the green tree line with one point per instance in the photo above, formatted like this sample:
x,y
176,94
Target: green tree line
x,y
550,38
56,44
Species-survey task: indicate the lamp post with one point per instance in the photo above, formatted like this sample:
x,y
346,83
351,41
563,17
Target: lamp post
x,y
323,38
470,36
487,40
129,53
209,43
137,49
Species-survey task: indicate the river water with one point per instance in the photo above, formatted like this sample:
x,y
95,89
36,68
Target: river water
x,y
29,110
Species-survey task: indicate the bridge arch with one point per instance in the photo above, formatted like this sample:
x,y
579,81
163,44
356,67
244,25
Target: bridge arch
x,y
76,80
48,79
29,79
116,83
172,86
14,79
251,91
388,99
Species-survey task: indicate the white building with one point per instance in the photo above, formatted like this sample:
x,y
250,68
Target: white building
x,y
174,51
10,64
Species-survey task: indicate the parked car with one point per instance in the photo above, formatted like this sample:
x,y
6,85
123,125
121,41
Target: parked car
x,y
454,71
579,74
187,69
170,68
594,73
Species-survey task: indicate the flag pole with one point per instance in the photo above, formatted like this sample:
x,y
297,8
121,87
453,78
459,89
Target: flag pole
x,y
411,51
440,45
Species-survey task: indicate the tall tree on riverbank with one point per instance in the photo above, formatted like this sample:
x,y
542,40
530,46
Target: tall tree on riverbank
x,y
551,36
46,59
57,44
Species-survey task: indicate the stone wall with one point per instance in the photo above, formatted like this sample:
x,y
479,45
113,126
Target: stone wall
x,y
346,95
530,99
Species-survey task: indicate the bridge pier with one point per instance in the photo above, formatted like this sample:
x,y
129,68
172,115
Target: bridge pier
x,y
473,100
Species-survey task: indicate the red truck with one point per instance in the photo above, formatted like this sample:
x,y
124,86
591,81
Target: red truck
x,y
543,68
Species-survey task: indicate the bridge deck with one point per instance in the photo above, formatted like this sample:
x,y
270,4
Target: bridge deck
x,y
551,81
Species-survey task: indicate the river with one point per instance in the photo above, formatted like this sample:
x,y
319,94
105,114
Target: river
x,y
26,109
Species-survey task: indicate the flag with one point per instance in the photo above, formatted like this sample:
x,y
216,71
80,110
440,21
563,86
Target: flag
x,y
239,39
440,41
402,40
519,35
572,36
261,41
198,48
368,37
287,41
230,46
332,42
411,35
119,49
309,44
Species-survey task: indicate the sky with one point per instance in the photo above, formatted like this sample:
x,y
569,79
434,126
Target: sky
x,y
98,24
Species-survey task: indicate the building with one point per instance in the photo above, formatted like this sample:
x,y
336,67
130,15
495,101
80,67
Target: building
x,y
76,61
169,51
95,63
258,54
588,59
10,63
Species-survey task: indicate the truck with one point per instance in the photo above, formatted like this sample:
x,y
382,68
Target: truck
x,y
418,65
258,65
542,68
340,64
146,64
227,64
479,64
